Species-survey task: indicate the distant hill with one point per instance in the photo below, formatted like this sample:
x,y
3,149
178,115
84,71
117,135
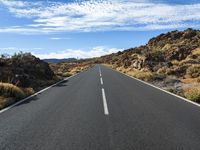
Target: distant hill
x,y
60,60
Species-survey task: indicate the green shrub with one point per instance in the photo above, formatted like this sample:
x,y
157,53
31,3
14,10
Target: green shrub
x,y
193,94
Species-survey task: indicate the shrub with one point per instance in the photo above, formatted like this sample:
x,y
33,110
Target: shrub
x,y
175,62
193,94
162,70
5,101
28,91
194,71
198,79
66,74
10,90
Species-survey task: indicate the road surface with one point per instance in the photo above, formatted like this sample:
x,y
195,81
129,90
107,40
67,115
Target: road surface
x,y
101,109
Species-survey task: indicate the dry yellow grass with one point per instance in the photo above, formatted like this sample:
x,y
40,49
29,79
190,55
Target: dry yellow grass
x,y
196,51
175,62
166,47
78,69
143,75
188,80
10,90
193,94
4,101
198,79
10,93
162,70
28,91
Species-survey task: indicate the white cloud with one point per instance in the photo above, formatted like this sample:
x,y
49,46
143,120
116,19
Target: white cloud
x,y
68,53
79,53
101,15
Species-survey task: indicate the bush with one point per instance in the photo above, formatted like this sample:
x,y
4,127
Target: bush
x,y
10,90
194,71
193,94
28,91
66,74
5,102
198,79
162,70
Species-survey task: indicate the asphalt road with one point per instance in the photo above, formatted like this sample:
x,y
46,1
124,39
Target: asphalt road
x,y
112,113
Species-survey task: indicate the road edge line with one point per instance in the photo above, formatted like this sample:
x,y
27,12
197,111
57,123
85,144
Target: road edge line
x,y
185,99
35,94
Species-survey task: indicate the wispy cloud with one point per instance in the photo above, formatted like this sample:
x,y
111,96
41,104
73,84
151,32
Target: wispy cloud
x,y
79,53
60,38
11,50
7,48
101,15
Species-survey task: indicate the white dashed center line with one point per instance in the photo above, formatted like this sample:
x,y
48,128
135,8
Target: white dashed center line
x,y
105,106
100,72
101,81
105,103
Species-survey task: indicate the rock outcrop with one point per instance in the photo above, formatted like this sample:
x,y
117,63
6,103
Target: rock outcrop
x,y
25,70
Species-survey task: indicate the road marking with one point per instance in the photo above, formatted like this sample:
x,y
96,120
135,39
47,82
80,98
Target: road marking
x,y
35,94
105,103
101,81
185,99
100,71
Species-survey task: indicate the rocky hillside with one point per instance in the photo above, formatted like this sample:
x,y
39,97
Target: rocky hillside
x,y
170,61
22,75
25,70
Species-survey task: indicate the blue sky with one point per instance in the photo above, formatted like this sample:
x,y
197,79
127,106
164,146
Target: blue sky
x,y
89,28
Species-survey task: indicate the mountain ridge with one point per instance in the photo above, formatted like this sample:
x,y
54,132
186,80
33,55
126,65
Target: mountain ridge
x,y
55,60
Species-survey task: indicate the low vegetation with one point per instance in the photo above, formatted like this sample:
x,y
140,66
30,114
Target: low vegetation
x,y
66,69
198,79
9,94
10,90
194,71
142,75
193,94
